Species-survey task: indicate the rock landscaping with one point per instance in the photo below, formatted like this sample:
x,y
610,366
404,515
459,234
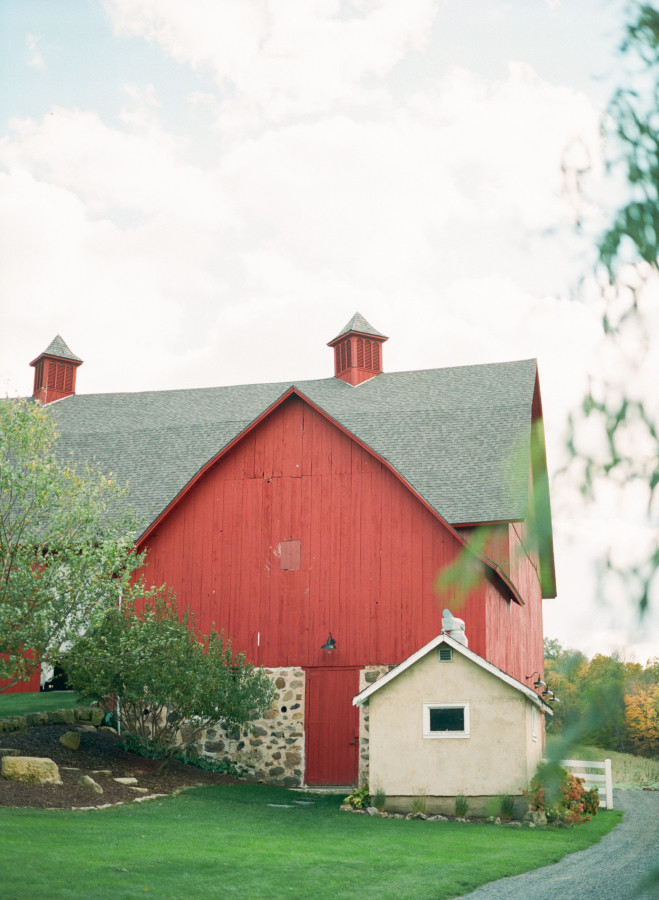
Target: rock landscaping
x,y
92,776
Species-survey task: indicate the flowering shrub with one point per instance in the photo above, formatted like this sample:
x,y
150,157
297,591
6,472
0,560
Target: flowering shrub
x,y
561,796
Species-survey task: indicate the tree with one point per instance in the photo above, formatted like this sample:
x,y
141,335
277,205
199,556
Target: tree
x,y
642,719
65,546
172,683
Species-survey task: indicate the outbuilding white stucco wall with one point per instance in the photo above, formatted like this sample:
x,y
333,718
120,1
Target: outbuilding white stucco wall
x,y
499,756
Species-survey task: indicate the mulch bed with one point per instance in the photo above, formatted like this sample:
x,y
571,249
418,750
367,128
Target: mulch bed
x,y
99,749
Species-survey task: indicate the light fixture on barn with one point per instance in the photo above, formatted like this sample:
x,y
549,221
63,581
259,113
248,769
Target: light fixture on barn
x,y
330,643
539,683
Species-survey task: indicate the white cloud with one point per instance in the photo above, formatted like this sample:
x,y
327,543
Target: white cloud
x,y
34,57
279,58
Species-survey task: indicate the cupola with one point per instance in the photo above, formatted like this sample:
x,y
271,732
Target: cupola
x,y
357,351
55,372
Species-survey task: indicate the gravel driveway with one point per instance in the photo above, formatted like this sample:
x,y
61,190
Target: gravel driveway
x,y
606,871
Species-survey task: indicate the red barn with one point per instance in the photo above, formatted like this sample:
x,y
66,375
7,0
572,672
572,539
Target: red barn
x,y
311,521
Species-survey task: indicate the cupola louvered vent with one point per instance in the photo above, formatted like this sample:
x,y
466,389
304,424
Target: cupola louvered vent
x,y
357,355
55,372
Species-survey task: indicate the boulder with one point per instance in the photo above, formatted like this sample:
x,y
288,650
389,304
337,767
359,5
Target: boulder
x,y
30,769
71,739
537,817
127,780
88,782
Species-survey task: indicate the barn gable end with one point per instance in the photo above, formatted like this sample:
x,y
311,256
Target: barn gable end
x,y
366,550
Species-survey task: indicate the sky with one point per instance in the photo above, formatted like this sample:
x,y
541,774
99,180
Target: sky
x,y
204,193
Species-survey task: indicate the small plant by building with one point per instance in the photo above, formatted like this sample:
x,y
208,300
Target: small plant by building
x,y
461,806
360,798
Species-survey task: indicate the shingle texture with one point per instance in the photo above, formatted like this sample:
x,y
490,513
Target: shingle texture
x,y
459,436
58,347
358,323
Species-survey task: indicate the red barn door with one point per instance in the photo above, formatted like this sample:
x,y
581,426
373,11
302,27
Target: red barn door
x,y
332,726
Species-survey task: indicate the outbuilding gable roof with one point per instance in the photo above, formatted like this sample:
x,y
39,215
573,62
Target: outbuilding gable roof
x,y
460,436
444,638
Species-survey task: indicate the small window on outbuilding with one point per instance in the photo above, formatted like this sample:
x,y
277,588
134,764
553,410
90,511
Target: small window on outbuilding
x,y
289,556
446,720
446,654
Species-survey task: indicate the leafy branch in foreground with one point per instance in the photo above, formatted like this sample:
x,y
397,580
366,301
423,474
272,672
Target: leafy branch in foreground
x,y
172,682
614,436
66,551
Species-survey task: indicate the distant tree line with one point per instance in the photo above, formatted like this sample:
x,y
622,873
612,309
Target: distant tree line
x,y
604,701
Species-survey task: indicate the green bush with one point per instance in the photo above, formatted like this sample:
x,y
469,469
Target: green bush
x,y
172,682
360,798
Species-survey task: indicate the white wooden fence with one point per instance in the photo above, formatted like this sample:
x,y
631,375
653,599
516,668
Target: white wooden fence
x,y
601,780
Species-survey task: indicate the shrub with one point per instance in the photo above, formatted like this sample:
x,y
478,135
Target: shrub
x,y
461,806
561,795
360,798
420,803
172,682
379,799
506,807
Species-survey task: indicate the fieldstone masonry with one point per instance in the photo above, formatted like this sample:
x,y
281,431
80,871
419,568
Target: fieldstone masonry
x,y
367,676
270,749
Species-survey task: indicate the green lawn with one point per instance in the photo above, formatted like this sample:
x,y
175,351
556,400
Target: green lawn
x,y
20,704
226,841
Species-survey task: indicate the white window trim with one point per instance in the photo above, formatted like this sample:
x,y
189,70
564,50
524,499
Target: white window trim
x,y
534,723
427,733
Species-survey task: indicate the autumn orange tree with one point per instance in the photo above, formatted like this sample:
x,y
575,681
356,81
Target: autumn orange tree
x,y
642,719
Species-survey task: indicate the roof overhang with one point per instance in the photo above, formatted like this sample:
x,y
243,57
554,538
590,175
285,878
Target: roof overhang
x,y
444,638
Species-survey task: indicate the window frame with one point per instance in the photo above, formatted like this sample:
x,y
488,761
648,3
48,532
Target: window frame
x,y
460,704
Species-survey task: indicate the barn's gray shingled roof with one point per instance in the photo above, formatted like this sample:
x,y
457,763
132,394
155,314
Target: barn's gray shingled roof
x,y
459,436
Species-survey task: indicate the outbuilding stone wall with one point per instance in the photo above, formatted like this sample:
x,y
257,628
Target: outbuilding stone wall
x,y
367,676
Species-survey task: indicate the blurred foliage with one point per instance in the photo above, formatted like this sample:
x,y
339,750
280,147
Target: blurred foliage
x,y
616,416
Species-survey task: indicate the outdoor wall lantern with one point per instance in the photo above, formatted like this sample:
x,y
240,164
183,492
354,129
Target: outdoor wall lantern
x,y
330,643
539,683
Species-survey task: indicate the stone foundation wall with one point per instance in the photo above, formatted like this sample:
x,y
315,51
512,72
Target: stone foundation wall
x,y
367,676
270,749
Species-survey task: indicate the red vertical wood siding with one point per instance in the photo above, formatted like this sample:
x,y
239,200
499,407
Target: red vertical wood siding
x,y
369,553
33,684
